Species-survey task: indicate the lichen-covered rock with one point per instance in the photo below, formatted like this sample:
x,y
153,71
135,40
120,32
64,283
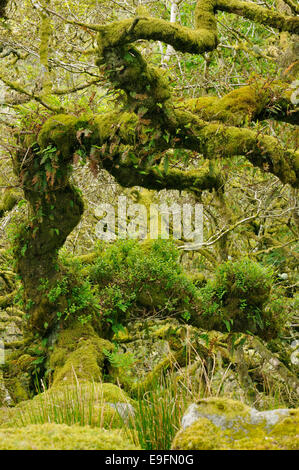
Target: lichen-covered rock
x,y
63,437
221,423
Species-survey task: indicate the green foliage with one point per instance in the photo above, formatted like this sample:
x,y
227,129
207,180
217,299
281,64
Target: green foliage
x,y
80,404
132,276
128,279
120,359
158,415
239,298
77,293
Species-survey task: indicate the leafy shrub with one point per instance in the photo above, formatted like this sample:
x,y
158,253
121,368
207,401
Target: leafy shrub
x,y
133,277
129,279
73,292
237,300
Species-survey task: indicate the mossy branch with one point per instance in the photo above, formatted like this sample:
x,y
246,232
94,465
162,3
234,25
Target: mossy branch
x,y
184,130
202,39
45,38
261,15
181,38
215,140
193,180
257,101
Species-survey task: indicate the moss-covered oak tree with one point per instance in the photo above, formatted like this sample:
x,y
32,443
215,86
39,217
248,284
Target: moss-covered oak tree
x,y
130,141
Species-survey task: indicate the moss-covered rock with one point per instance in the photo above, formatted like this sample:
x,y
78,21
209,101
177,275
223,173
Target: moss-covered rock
x,y
78,355
102,405
221,423
63,437
19,375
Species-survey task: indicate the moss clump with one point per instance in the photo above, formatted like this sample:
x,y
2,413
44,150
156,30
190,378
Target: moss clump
x,y
287,431
60,131
204,435
63,437
8,201
19,371
78,352
224,424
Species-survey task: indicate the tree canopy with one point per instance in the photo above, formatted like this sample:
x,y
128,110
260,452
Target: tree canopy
x,y
159,96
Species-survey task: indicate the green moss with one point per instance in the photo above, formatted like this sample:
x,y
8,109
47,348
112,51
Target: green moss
x,y
231,409
45,37
8,201
19,375
60,131
204,16
56,208
202,435
260,15
19,387
225,424
246,104
239,299
286,432
82,403
262,151
181,38
233,108
78,353
63,437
